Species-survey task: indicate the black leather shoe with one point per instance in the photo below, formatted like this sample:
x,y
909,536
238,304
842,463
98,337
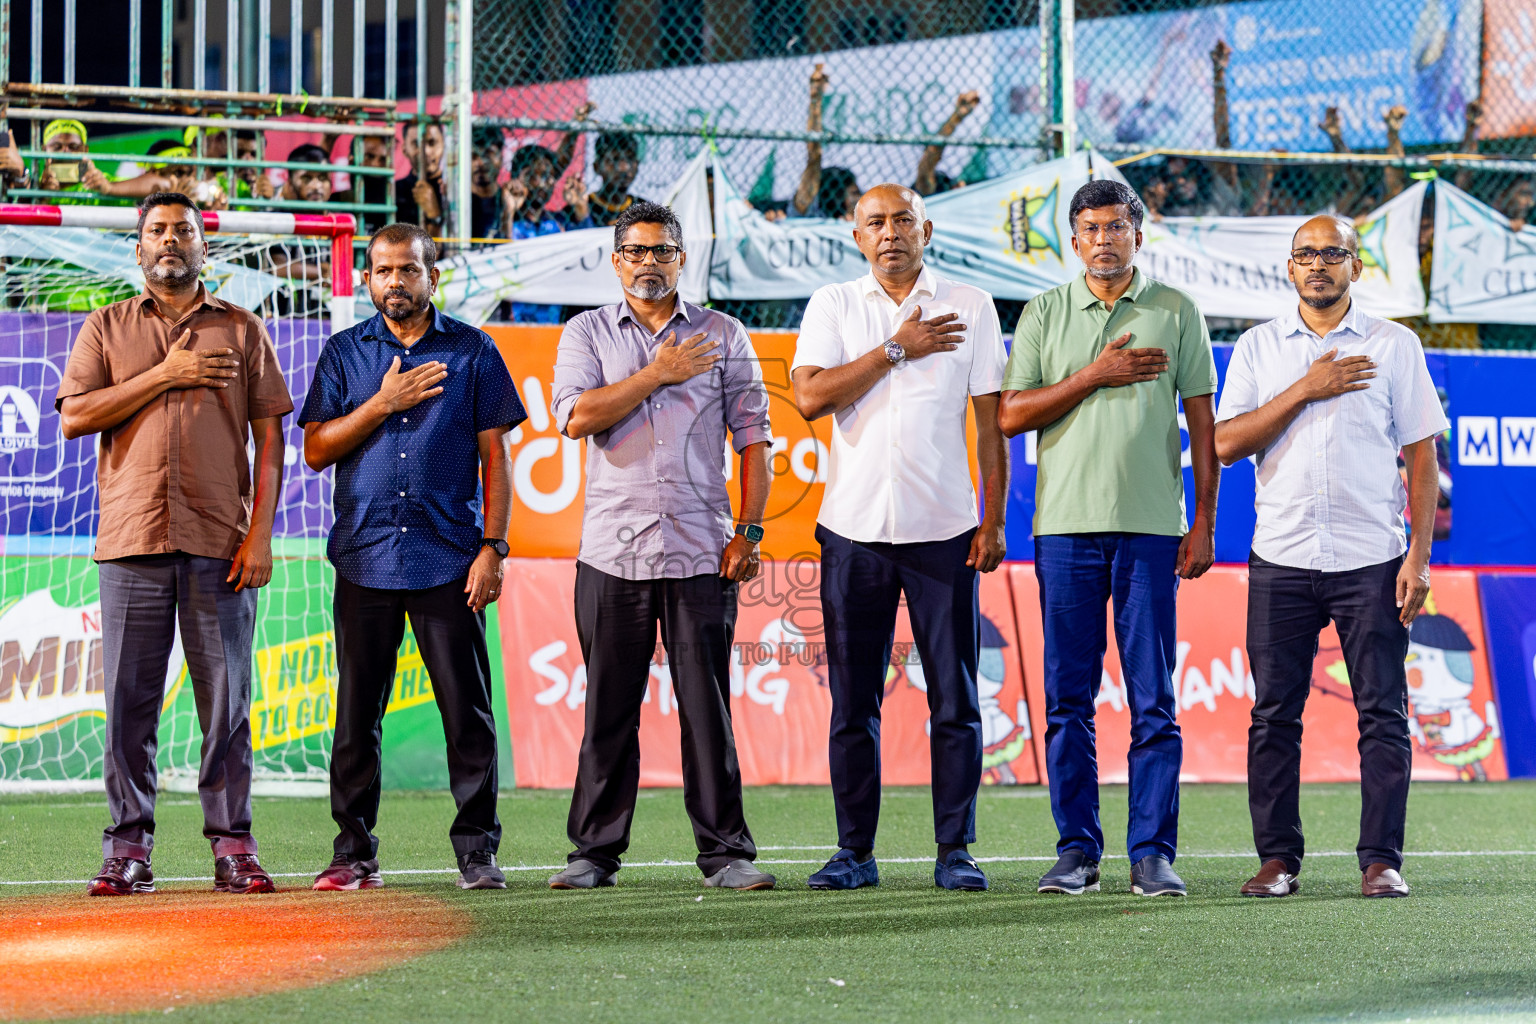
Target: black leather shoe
x,y
1273,880
1074,874
1154,876
121,876
241,873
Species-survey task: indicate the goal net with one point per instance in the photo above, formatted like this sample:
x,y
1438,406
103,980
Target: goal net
x,y
56,265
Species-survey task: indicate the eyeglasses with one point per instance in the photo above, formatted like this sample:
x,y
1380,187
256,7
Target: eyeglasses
x,y
1332,256
1116,230
663,253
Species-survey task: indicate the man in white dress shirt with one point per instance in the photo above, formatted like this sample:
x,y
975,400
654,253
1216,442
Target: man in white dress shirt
x,y
893,357
1323,399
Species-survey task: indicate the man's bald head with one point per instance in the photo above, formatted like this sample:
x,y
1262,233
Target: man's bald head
x,y
1327,229
891,229
900,193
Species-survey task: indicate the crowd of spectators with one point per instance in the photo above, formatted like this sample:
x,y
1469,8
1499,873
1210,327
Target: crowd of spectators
x,y
522,191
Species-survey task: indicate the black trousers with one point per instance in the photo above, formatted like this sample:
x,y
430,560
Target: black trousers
x,y
861,586
616,622
1287,608
369,627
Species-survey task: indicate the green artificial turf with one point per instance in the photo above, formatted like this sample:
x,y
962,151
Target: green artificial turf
x,y
1463,947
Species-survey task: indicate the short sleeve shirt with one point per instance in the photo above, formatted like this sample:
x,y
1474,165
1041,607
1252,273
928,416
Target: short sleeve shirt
x,y
1329,495
408,499
900,471
1114,463
175,476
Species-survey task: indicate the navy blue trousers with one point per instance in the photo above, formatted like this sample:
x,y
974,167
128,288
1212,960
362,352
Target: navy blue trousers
x,y
861,587
1079,573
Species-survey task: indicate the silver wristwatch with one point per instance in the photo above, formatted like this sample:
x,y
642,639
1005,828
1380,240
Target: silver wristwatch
x,y
894,352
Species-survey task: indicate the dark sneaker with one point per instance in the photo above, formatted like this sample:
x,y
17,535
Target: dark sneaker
x,y
1154,876
740,874
1074,874
348,875
121,876
478,870
959,870
241,873
582,874
844,871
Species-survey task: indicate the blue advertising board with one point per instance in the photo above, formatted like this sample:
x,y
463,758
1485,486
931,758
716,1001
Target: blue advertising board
x,y
1509,626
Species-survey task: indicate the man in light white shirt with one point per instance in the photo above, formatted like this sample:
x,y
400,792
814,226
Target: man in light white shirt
x,y
893,358
1323,400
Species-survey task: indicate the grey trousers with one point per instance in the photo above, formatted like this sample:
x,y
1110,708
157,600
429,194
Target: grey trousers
x,y
142,599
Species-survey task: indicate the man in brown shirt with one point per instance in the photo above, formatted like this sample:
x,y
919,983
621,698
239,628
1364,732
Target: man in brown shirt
x,y
175,380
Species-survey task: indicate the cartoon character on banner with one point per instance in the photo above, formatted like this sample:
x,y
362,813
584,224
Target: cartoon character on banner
x,y
1003,739
1441,719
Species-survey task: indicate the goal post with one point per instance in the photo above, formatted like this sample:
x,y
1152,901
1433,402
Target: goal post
x,y
57,263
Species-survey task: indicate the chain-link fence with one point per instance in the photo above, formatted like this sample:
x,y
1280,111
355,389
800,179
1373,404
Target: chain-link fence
x,y
809,101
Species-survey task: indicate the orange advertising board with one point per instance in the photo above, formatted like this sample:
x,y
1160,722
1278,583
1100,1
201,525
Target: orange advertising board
x,y
549,471
1452,719
780,701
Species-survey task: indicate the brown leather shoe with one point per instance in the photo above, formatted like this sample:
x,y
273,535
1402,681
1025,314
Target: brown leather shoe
x,y
241,873
1379,880
1272,880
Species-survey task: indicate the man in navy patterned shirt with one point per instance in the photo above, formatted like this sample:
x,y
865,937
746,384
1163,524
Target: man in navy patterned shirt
x,y
412,408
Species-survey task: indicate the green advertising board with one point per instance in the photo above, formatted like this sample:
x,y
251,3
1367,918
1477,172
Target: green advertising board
x,y
53,704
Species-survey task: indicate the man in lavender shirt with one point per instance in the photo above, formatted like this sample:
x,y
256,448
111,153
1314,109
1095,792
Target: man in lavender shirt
x,y
659,545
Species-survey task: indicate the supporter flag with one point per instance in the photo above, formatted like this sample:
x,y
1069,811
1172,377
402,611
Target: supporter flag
x,y
1236,266
1483,270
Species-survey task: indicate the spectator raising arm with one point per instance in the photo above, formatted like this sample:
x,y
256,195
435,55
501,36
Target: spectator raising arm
x,y
810,179
1394,178
1220,55
1469,141
927,184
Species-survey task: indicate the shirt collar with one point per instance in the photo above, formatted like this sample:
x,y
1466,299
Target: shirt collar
x,y
204,300
623,312
926,284
1353,322
374,327
1083,297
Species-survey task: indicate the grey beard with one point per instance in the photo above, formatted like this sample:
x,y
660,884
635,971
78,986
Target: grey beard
x,y
188,272
652,291
1105,274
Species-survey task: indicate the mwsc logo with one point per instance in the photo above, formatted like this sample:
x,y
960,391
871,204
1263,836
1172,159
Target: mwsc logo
x,y
1496,440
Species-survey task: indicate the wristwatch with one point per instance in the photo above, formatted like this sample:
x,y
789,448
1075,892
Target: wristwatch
x,y
751,531
894,352
498,546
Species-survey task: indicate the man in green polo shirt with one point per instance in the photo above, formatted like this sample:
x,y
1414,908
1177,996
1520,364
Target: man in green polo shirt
x,y
1098,366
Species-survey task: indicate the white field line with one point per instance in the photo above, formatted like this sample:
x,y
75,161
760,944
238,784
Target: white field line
x,y
886,860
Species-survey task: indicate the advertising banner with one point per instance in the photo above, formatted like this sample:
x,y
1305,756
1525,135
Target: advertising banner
x,y
1453,719
1009,236
1509,75
1482,270
1236,266
1493,443
779,697
1509,613
53,699
1145,79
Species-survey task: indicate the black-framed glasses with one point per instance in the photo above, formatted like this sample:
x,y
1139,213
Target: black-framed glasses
x,y
1332,256
663,253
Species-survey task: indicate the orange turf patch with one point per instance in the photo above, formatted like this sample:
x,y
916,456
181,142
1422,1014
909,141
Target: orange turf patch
x,y
69,956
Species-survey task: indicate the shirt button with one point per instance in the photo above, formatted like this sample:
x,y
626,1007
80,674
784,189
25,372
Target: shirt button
x,y
402,529
660,442
402,494
402,455
661,479
405,419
